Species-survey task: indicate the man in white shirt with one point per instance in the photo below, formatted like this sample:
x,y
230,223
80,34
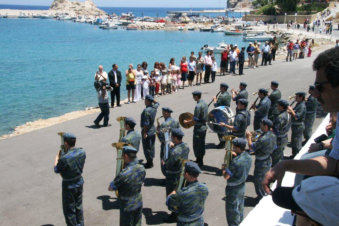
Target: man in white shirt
x,y
100,75
265,53
233,58
208,66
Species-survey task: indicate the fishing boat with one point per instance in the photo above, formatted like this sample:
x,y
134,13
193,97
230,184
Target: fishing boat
x,y
258,38
109,26
218,29
132,27
205,29
233,32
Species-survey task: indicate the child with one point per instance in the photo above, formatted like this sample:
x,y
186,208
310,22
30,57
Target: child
x,y
178,77
169,83
164,83
152,84
174,80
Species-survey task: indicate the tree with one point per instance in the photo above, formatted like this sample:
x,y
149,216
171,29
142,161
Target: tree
x,y
287,5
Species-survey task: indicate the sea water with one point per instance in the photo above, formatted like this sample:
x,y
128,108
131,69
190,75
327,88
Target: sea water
x,y
47,67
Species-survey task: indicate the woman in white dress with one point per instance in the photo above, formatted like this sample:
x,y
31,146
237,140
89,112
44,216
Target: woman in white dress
x,y
138,80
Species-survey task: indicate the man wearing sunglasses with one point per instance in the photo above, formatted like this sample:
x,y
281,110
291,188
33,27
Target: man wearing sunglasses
x,y
324,169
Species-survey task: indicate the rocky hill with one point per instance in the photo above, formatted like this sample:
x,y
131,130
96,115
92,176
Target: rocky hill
x,y
239,4
77,8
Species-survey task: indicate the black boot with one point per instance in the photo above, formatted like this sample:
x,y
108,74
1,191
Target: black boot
x,y
221,145
172,218
149,164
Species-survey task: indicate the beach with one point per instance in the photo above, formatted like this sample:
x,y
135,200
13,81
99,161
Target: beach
x,y
33,191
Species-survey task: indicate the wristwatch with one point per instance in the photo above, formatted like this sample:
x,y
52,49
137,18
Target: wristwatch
x,y
321,146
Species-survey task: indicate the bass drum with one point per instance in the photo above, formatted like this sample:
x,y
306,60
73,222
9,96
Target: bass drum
x,y
220,114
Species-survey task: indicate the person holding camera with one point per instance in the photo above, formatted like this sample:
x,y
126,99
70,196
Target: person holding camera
x,y
104,106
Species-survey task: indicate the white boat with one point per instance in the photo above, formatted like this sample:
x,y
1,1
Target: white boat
x,y
218,29
254,32
206,29
233,32
109,26
216,50
180,28
258,38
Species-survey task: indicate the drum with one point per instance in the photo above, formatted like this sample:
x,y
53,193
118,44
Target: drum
x,y
220,114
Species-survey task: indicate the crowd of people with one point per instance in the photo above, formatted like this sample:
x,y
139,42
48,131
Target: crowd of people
x,y
299,49
273,118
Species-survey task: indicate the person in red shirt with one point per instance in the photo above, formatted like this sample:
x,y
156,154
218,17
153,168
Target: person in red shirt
x,y
289,50
224,62
183,71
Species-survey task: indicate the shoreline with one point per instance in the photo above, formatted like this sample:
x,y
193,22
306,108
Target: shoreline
x,y
44,123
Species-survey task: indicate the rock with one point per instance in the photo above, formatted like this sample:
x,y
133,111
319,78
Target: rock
x,y
86,8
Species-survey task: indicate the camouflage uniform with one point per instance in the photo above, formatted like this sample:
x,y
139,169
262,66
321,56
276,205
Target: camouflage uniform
x,y
199,132
243,94
70,166
261,112
173,165
263,149
235,189
311,111
298,127
189,204
274,97
132,137
147,120
129,183
224,99
241,122
168,123
281,126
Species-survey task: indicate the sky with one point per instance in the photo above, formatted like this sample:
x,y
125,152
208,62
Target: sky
x,y
133,3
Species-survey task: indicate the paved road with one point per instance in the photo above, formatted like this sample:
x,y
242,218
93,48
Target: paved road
x,y
30,192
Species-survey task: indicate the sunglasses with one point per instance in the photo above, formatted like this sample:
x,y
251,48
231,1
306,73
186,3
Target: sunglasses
x,y
320,85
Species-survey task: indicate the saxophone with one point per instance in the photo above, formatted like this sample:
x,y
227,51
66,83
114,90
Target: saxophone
x,y
229,149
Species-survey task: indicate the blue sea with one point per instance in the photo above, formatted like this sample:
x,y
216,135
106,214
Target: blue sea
x,y
47,66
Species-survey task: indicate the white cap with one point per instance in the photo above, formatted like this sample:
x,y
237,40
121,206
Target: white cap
x,y
318,197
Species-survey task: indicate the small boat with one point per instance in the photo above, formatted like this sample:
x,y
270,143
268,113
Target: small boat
x,y
206,29
132,27
258,38
218,29
216,50
254,32
190,29
109,26
233,32
180,28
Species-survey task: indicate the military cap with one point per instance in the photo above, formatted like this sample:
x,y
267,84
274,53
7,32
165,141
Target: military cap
x,y
263,91
196,93
312,87
192,168
283,103
223,84
243,84
275,83
239,142
177,132
129,149
243,101
302,94
149,97
130,121
267,122
69,136
167,109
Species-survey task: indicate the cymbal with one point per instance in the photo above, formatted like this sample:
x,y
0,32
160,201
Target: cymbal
x,y
186,116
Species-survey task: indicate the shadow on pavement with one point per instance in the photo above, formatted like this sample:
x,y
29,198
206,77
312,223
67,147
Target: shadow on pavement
x,y
108,203
93,127
154,182
154,217
211,170
250,202
210,146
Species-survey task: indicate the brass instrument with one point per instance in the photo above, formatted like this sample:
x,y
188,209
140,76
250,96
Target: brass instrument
x,y
62,146
229,149
213,98
186,116
182,181
255,135
158,123
254,103
255,93
120,160
291,97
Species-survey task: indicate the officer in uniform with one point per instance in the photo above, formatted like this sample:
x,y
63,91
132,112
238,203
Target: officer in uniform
x,y
148,129
70,164
274,97
132,137
241,120
199,132
174,163
169,123
261,109
236,175
298,114
224,99
189,202
263,149
242,94
281,126
128,184
311,112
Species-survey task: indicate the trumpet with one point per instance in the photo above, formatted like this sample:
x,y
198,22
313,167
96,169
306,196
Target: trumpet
x,y
255,135
255,93
291,97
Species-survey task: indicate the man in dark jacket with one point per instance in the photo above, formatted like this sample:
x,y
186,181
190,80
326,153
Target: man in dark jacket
x,y
114,77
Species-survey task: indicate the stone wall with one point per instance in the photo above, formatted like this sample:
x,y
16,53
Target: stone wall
x,y
279,19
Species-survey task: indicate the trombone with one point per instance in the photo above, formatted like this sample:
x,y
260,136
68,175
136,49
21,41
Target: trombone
x,y
292,98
